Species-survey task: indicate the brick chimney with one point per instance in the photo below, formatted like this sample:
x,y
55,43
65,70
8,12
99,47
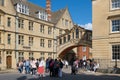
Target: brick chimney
x,y
48,9
24,0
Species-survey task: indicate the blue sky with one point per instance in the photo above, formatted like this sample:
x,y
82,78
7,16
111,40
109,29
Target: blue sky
x,y
80,10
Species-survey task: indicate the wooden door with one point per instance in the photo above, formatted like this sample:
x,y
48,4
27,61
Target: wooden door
x,y
9,62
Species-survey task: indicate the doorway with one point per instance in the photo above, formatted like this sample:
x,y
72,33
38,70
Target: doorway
x,y
9,62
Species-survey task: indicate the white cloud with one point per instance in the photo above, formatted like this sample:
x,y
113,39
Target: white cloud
x,y
87,26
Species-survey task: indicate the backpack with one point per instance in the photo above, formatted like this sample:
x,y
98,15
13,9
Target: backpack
x,y
51,64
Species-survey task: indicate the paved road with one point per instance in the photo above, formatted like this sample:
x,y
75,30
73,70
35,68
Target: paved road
x,y
66,76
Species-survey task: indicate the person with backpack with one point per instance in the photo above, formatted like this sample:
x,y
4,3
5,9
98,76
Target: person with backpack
x,y
51,67
56,68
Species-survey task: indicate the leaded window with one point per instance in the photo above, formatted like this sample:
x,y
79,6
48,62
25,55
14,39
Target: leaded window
x,y
116,52
42,42
9,38
30,41
31,55
115,4
115,25
20,56
21,39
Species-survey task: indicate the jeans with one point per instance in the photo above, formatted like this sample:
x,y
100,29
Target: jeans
x,y
27,68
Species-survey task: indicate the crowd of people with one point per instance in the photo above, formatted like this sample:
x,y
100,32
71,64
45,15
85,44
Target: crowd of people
x,y
39,66
85,65
54,66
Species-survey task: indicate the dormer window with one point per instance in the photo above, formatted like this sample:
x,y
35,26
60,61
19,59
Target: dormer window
x,y
22,8
42,15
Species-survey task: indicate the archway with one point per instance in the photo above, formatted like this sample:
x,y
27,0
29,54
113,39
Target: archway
x,y
68,54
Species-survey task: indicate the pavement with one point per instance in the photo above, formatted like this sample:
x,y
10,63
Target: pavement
x,y
8,71
13,74
64,70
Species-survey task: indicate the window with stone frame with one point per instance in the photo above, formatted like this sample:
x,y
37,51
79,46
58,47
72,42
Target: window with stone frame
x,y
31,55
77,33
20,56
116,52
116,25
64,39
49,30
42,42
115,4
30,41
9,52
42,55
20,39
42,15
20,23
69,37
49,43
9,38
50,54
9,22
31,25
60,41
22,8
42,28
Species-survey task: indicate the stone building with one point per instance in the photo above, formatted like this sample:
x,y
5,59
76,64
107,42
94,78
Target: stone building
x,y
106,32
28,30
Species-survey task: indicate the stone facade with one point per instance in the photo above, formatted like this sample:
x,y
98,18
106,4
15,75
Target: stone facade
x,y
22,35
105,32
27,30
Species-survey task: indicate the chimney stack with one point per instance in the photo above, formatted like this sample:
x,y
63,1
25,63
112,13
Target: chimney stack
x,y
48,9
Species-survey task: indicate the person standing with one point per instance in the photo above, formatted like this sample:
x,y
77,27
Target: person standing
x,y
56,68
41,68
51,67
60,68
27,66
66,63
33,66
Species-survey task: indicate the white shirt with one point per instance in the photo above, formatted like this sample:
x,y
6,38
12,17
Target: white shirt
x,y
41,63
33,64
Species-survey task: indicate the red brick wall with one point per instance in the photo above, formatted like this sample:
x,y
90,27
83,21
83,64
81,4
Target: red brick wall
x,y
81,53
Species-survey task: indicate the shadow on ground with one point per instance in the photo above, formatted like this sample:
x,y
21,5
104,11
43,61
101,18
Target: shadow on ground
x,y
81,76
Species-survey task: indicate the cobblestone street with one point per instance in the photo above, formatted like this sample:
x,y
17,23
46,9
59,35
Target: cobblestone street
x,y
66,76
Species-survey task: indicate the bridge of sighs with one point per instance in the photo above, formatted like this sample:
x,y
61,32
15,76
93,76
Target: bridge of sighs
x,y
73,38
